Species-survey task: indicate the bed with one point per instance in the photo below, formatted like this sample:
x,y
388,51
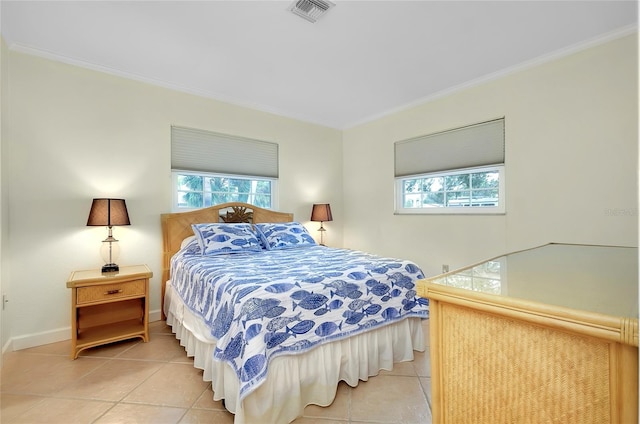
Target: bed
x,y
276,321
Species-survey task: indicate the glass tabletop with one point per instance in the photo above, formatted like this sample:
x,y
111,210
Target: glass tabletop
x,y
602,279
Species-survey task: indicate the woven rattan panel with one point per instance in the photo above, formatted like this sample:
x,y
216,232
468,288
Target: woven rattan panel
x,y
107,292
506,371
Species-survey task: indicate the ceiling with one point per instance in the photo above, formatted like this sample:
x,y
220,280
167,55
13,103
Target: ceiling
x,y
360,61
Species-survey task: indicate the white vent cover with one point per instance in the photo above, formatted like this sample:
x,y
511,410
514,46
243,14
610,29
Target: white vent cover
x,y
311,10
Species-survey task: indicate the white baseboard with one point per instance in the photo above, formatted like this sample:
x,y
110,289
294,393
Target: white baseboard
x,y
38,339
52,336
7,346
155,315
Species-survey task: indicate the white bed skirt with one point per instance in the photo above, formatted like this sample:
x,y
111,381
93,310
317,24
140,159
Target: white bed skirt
x,y
294,381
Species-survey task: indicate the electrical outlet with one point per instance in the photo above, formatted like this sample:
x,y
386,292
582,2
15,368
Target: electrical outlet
x,y
445,268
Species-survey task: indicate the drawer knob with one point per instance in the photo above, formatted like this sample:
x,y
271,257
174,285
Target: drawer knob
x,y
113,292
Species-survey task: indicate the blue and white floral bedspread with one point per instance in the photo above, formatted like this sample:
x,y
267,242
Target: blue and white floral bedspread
x,y
268,303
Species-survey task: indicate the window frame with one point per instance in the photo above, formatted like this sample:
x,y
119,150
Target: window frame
x,y
500,209
175,187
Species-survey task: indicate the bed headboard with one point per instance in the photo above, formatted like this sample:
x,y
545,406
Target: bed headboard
x,y
177,226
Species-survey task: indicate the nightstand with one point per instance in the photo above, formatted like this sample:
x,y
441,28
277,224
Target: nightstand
x,y
108,307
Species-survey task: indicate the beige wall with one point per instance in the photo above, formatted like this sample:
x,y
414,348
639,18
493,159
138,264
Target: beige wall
x,y
571,163
78,134
73,134
5,328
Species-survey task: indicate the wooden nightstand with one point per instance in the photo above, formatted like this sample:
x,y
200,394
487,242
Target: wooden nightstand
x,y
108,307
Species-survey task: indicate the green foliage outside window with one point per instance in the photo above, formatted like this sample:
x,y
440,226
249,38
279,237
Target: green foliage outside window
x,y
465,189
197,191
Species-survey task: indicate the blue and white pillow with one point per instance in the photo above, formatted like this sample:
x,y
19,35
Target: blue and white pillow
x,y
219,239
284,235
191,247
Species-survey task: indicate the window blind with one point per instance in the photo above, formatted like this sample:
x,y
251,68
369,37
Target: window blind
x,y
471,146
206,151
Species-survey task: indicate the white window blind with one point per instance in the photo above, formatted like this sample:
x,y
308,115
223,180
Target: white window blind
x,y
206,151
471,146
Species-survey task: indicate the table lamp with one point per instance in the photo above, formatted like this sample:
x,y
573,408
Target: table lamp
x,y
108,213
321,213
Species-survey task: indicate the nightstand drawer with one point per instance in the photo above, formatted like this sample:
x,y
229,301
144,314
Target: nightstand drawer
x,y
108,292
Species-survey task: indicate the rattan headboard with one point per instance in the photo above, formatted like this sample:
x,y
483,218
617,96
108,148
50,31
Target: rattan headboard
x,y
177,226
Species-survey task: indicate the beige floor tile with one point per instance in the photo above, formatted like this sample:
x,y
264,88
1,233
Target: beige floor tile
x,y
60,348
112,381
155,382
62,411
339,409
124,413
205,401
390,399
44,374
159,327
183,359
401,368
422,364
17,366
159,348
311,420
111,350
177,385
207,416
425,382
13,405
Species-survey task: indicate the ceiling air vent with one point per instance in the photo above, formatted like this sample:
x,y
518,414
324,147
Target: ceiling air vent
x,y
311,10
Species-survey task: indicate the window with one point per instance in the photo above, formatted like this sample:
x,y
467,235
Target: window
x,y
210,168
459,171
198,190
457,191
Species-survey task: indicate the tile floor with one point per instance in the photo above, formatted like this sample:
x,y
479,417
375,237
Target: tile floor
x,y
155,382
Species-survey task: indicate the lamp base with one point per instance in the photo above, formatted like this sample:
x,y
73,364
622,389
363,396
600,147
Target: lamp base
x,y
110,268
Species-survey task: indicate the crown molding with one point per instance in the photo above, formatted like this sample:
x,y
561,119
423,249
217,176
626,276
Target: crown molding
x,y
546,58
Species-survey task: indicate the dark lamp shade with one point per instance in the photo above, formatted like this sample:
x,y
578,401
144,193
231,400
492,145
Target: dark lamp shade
x,y
108,212
321,213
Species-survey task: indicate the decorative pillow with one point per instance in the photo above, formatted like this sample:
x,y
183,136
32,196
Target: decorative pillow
x,y
218,239
284,235
190,246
